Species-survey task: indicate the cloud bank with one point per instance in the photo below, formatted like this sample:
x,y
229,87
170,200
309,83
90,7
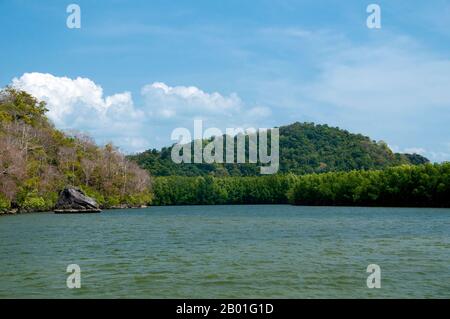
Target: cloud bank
x,y
80,104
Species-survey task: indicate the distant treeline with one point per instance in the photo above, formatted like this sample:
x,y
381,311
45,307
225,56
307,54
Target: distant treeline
x,y
425,185
209,190
419,186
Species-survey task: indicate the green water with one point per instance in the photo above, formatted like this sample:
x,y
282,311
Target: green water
x,y
228,252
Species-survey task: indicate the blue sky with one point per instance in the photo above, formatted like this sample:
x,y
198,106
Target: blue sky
x,y
138,69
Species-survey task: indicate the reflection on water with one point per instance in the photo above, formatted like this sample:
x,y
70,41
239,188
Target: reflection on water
x,y
228,252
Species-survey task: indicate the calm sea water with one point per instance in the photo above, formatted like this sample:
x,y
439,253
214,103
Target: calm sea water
x,y
228,252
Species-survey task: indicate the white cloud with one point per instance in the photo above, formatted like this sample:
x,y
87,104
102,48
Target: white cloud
x,y
67,99
186,101
80,104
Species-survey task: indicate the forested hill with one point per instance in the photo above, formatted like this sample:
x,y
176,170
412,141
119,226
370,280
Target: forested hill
x,y
304,148
37,161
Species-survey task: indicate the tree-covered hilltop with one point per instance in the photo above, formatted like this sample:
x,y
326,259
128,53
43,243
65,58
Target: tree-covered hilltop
x,y
304,148
37,161
426,185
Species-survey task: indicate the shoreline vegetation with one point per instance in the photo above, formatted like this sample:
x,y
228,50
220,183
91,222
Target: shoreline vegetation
x,y
37,161
426,185
319,165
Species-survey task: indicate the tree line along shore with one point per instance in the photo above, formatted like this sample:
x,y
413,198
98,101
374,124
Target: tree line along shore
x,y
319,166
425,185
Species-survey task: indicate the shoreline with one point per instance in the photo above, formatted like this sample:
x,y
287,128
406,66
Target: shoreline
x,y
15,213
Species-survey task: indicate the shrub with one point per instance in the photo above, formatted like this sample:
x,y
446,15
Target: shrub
x,y
5,204
34,204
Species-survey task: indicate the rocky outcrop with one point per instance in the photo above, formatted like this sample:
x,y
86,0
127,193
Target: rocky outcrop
x,y
13,211
74,200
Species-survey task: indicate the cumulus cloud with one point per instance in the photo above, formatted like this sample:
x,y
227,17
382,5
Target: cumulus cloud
x,y
181,101
80,104
67,98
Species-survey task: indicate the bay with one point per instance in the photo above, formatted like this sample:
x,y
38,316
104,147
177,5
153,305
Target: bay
x,y
269,251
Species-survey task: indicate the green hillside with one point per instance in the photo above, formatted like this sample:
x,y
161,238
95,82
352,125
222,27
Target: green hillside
x,y
304,148
37,161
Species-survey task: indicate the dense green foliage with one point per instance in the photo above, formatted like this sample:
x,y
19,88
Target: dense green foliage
x,y
209,190
304,148
423,185
37,161
407,185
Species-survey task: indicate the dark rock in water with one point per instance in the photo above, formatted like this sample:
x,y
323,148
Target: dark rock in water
x,y
74,200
